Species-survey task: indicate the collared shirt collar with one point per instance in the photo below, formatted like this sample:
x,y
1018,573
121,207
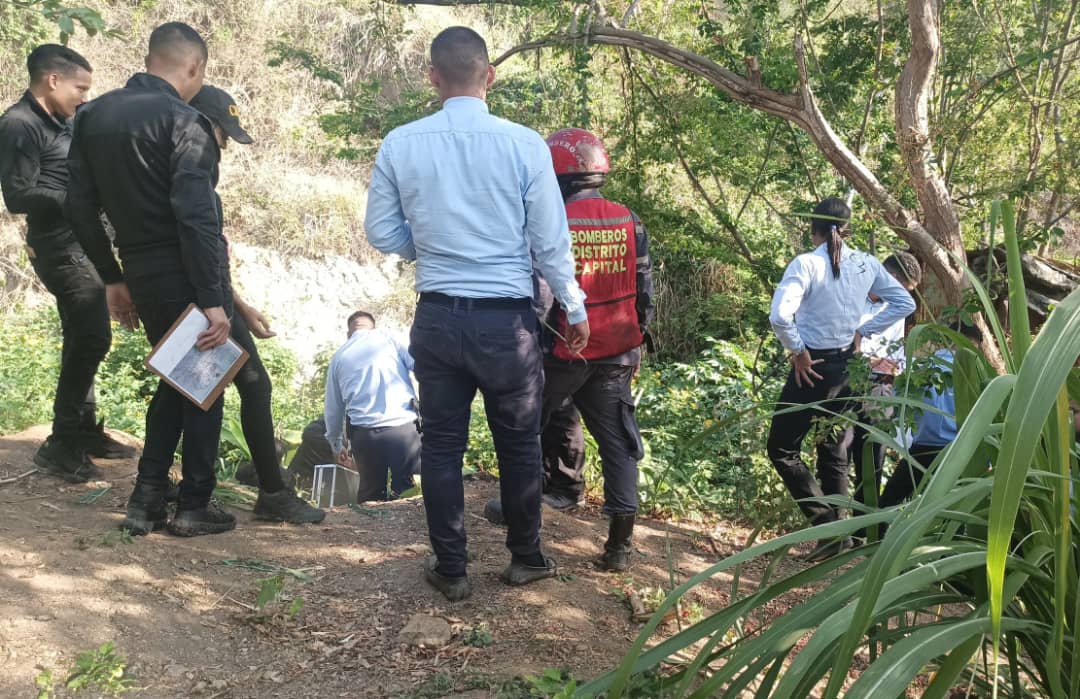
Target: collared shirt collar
x,y
465,104
145,81
36,107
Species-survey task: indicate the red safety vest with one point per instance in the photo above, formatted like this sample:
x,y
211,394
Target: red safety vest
x,y
605,263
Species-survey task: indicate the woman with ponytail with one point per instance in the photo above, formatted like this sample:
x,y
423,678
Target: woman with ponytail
x,y
816,314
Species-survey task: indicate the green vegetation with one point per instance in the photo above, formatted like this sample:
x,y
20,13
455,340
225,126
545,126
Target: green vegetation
x,y
976,568
101,669
973,586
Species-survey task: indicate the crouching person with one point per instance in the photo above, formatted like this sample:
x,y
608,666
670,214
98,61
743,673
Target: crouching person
x,y
368,389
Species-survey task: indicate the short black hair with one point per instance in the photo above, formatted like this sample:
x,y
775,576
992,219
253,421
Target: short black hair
x,y
54,58
461,56
904,266
358,315
173,38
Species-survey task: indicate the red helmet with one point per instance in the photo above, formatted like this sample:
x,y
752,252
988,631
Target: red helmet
x,y
576,151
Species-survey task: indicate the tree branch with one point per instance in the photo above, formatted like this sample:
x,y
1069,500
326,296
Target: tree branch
x,y
799,108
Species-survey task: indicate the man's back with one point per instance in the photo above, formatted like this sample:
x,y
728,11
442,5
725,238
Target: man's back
x,y
131,138
369,376
464,179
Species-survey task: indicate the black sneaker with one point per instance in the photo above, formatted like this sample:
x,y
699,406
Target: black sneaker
x,y
97,442
286,506
210,519
145,509
453,589
518,573
63,460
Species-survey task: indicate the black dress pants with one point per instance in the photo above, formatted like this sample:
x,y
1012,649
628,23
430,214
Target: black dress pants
x,y
787,432
160,296
84,325
492,345
378,451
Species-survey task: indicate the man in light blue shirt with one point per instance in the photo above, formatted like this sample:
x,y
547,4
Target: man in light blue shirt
x,y
474,200
369,391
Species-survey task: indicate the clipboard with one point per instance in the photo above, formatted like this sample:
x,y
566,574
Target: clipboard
x,y
201,377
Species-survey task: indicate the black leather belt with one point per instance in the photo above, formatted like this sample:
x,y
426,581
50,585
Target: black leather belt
x,y
842,353
469,303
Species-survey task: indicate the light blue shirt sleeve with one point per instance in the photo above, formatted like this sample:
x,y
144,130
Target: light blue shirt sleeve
x,y
898,302
786,301
401,341
385,223
549,239
334,409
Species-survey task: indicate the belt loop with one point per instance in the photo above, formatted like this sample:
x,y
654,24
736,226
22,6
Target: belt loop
x,y
469,305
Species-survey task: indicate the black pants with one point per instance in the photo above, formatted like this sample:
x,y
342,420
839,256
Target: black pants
x,y
907,476
313,451
601,392
160,297
378,450
256,419
459,347
870,413
84,325
787,431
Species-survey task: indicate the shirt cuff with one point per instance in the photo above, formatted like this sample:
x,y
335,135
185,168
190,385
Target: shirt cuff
x,y
576,316
210,298
111,274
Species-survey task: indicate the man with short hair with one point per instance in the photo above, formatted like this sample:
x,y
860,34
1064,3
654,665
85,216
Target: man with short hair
x,y
35,134
148,160
370,394
474,200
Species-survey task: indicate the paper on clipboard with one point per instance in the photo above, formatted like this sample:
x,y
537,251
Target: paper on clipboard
x,y
199,376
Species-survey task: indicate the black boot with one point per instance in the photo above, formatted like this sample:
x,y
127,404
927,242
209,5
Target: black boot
x,y
286,506
493,512
563,502
97,442
145,509
618,547
67,460
209,519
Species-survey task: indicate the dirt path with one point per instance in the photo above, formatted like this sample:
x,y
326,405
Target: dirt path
x,y
183,618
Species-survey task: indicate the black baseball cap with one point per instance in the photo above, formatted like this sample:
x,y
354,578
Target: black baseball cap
x,y
221,109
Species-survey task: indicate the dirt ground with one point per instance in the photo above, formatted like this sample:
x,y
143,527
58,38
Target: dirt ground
x,y
185,620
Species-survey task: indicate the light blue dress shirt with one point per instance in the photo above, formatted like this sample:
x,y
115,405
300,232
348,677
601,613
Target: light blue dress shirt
x,y
811,308
368,382
474,200
933,429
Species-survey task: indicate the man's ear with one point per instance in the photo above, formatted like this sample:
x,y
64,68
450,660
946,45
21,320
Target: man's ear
x,y
490,76
52,80
434,77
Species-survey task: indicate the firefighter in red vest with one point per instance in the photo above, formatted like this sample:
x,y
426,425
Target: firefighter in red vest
x,y
611,256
